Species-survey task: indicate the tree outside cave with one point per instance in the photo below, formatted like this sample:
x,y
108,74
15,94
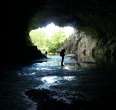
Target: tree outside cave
x,y
51,37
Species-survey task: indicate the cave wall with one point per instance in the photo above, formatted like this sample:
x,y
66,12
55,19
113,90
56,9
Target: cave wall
x,y
15,45
85,48
89,46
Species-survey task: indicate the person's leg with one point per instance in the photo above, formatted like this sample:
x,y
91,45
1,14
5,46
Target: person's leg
x,y
62,61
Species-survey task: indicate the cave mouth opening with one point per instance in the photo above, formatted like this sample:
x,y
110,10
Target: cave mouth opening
x,y
50,37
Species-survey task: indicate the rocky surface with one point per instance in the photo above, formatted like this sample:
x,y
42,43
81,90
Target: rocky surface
x,y
89,47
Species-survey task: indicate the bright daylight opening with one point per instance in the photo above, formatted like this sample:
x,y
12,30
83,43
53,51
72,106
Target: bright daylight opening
x,y
51,37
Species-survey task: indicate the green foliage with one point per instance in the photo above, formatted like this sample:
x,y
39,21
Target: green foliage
x,y
45,43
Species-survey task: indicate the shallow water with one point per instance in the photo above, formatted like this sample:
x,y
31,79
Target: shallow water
x,y
69,82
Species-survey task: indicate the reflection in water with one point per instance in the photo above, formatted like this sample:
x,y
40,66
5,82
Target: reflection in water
x,y
71,67
69,78
49,81
45,69
67,68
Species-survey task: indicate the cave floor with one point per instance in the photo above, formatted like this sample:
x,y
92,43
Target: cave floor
x,y
68,84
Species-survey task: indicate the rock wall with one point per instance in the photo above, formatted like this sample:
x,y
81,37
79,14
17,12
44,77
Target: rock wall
x,y
89,47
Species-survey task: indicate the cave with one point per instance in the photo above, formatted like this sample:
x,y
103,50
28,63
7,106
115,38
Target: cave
x,y
93,17
93,46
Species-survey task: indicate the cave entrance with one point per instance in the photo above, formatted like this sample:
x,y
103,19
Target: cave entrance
x,y
51,37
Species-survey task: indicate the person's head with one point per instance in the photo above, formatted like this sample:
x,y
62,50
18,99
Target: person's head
x,y
63,50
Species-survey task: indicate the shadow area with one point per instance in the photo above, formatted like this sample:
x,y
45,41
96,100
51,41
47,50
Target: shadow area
x,y
45,101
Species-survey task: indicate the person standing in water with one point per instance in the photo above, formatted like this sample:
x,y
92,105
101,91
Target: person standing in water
x,y
62,54
46,53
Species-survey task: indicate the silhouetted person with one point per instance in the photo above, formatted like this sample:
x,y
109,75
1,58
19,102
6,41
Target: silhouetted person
x,y
62,54
46,53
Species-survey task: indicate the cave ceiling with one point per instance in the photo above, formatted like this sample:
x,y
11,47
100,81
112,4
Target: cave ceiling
x,y
70,11
23,15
